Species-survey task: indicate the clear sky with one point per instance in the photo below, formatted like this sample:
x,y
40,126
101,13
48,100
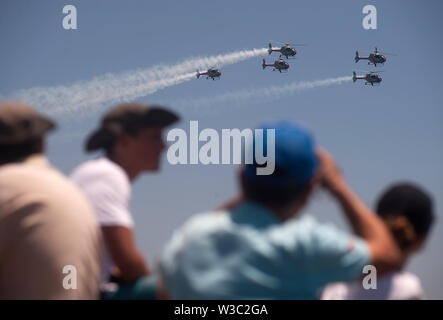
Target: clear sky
x,y
379,135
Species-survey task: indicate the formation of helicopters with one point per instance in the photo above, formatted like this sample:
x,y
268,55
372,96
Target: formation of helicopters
x,y
371,77
287,50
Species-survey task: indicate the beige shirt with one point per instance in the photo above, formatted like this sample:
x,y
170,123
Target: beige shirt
x,y
50,242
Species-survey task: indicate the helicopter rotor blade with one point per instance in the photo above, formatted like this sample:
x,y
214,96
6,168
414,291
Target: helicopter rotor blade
x,y
287,43
387,53
383,52
368,71
296,44
365,52
277,41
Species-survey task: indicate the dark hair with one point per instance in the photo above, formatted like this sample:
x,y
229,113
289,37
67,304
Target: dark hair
x,y
131,131
272,194
408,212
18,152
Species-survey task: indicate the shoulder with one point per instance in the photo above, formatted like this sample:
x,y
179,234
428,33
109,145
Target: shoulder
x,y
38,176
192,236
197,229
205,222
329,253
23,184
192,228
101,167
101,171
327,238
307,231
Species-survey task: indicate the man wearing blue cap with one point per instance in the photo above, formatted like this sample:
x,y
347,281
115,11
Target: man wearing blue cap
x,y
253,248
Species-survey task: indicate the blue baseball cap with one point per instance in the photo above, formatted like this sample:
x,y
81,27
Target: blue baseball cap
x,y
295,158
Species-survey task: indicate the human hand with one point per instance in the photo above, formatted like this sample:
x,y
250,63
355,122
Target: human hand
x,y
330,175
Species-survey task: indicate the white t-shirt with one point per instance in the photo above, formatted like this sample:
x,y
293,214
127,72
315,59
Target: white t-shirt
x,y
391,286
108,190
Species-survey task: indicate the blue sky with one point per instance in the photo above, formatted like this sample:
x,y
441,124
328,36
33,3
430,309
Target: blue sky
x,y
378,135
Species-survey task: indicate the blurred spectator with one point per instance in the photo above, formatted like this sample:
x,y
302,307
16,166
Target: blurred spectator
x,y
45,221
407,211
130,135
255,249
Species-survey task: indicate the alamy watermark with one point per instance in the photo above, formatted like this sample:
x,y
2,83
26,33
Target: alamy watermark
x,y
370,280
70,280
187,150
370,19
70,20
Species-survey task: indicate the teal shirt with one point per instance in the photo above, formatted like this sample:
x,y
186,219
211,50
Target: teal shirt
x,y
249,254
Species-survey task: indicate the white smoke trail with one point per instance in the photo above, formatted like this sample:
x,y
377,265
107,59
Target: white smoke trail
x,y
261,93
84,96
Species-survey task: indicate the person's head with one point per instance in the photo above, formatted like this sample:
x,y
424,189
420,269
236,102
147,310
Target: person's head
x,y
292,181
131,135
22,131
407,211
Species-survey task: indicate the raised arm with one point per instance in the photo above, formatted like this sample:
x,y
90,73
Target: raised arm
x,y
385,255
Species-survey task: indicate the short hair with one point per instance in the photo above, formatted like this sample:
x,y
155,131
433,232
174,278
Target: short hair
x,y
272,194
406,206
20,151
132,131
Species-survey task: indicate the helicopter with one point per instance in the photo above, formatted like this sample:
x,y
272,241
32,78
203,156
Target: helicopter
x,y
371,77
374,57
286,50
211,73
279,64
